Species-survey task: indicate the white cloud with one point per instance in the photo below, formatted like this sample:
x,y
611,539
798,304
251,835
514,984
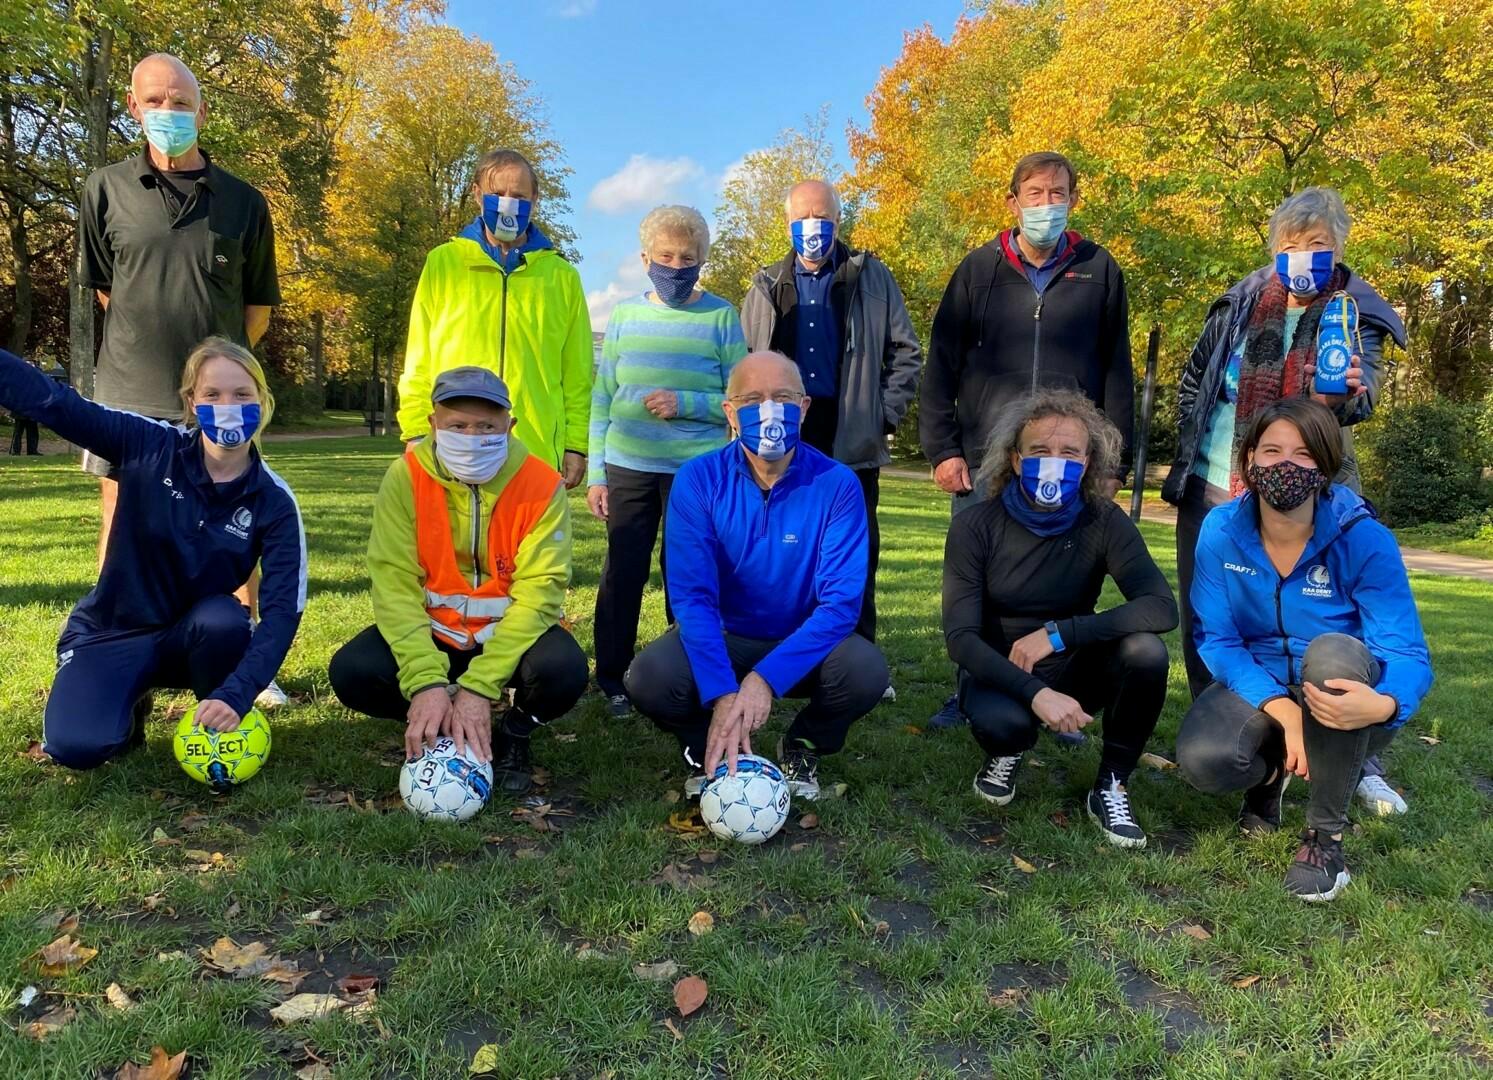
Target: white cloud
x,y
576,9
644,182
729,173
630,280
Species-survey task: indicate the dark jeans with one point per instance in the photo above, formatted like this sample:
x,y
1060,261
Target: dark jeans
x,y
871,488
551,676
89,718
1227,745
1198,497
841,690
1126,678
27,429
636,502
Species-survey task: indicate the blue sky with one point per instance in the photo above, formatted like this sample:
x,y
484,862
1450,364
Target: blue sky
x,y
654,102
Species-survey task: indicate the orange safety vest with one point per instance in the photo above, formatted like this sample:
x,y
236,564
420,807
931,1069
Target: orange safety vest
x,y
467,615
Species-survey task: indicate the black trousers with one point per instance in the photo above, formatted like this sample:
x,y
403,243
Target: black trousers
x,y
550,678
1125,677
28,429
841,690
1198,497
636,502
1226,744
870,488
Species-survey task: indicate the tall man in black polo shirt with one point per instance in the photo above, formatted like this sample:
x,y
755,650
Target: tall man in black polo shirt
x,y
839,315
177,250
1038,306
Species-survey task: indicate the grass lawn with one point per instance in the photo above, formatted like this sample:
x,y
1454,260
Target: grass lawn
x,y
899,938
1472,538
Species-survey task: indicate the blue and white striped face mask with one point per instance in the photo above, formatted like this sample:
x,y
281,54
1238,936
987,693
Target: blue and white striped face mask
x,y
769,430
1304,273
507,219
1051,482
229,426
813,238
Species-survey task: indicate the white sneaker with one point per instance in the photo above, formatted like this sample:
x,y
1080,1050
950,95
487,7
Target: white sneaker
x,y
890,693
1379,797
271,697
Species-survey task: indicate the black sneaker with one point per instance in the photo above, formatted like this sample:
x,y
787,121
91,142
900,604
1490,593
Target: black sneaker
x,y
800,767
996,782
1109,806
1319,873
948,715
619,706
1260,814
512,768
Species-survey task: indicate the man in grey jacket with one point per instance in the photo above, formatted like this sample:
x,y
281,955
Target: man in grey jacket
x,y
839,314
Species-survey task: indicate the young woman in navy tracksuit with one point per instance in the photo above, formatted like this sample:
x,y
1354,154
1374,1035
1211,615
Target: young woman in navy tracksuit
x,y
198,509
1303,613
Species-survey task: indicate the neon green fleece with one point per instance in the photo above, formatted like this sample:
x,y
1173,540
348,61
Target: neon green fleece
x,y
539,579
530,326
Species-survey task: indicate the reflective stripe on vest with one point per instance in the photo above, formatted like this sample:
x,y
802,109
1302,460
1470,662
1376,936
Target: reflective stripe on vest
x,y
461,613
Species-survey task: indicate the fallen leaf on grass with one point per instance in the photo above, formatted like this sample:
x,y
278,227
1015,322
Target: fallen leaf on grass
x,y
1059,819
162,1066
118,998
1430,740
64,955
1156,761
233,911
526,853
1022,865
1009,998
673,1029
307,1007
687,823
809,821
662,971
54,1020
1193,930
34,752
707,856
838,790
882,928
679,877
192,822
240,961
357,984
313,918
59,920
159,838
484,1061
701,923
565,736
690,993
912,729
670,797
1245,983
315,1071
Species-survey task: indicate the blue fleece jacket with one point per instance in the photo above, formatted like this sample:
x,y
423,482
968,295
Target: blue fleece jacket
x,y
786,565
1252,626
534,240
178,538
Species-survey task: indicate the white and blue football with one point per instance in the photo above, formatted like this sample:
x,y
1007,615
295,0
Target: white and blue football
x,y
443,784
749,807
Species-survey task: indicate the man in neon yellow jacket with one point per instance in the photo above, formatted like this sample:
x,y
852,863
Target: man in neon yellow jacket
x,y
469,558
499,296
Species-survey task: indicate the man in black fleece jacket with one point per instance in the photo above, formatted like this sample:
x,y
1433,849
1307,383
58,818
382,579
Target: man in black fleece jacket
x,y
1038,306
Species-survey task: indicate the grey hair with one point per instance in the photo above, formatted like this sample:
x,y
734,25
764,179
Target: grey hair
x,y
796,379
494,160
834,196
679,220
1105,441
1308,209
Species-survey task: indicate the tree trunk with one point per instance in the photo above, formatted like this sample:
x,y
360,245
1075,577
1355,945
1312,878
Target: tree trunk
x,y
318,363
96,68
20,252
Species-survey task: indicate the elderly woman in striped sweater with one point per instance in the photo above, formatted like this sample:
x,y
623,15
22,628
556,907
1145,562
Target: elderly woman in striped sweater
x,y
655,404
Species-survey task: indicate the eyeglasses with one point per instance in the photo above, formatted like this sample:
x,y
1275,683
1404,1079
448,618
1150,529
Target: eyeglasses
x,y
781,397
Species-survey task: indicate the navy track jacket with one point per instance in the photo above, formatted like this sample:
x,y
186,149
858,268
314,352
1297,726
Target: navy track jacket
x,y
178,538
786,565
1252,626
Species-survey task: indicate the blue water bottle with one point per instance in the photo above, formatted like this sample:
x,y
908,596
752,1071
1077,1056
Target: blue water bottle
x,y
1337,342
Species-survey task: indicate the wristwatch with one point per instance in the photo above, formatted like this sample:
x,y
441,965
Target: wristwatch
x,y
1053,636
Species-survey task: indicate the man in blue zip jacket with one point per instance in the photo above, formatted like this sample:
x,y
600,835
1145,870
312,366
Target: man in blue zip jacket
x,y
766,566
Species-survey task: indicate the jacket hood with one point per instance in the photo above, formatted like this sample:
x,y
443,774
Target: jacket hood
x,y
534,241
1371,305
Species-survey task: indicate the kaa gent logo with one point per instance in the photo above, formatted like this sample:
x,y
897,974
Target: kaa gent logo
x,y
239,526
1318,582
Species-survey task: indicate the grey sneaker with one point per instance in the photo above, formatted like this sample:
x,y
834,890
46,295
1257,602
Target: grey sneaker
x,y
1379,797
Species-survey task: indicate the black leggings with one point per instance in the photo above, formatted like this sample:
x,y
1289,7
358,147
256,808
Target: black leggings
x,y
1228,745
1125,677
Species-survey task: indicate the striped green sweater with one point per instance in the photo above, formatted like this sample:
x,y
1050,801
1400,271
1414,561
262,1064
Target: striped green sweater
x,y
650,346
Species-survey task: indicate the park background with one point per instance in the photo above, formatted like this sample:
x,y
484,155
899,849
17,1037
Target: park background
x,y
906,930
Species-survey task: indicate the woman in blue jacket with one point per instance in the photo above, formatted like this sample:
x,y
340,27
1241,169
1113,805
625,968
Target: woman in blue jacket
x,y
198,509
1303,613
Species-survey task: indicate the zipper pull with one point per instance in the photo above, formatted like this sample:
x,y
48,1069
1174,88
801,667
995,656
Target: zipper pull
x,y
1037,311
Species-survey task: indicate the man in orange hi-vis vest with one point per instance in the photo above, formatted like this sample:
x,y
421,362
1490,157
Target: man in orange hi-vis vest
x,y
469,559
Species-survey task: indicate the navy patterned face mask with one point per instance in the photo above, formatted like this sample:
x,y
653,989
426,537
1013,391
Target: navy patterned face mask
x,y
1285,485
673,284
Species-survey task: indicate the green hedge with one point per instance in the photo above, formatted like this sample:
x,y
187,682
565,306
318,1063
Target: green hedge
x,y
1423,461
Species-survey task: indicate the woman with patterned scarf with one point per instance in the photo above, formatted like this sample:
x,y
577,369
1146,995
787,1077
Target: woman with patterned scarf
x,y
1259,346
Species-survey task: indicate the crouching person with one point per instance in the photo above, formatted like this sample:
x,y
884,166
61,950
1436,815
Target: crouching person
x,y
1303,612
469,559
766,544
1023,571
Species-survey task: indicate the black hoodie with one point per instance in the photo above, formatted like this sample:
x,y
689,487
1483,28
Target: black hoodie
x,y
994,338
